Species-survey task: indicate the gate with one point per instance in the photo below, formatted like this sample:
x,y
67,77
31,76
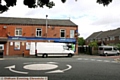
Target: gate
x,y
85,50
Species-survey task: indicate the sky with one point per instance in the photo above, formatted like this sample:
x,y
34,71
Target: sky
x,y
87,14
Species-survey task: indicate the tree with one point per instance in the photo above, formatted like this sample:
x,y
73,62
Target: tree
x,y
81,41
104,2
93,44
39,3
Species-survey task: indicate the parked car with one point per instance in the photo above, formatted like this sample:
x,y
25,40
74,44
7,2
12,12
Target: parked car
x,y
108,50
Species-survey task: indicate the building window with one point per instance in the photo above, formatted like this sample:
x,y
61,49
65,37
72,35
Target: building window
x,y
103,39
62,33
112,38
107,39
72,33
99,39
17,46
38,32
91,40
18,32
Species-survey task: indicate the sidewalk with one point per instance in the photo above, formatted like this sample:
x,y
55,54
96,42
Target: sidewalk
x,y
117,59
17,56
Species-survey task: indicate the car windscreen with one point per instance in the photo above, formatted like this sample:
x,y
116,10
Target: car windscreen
x,y
115,48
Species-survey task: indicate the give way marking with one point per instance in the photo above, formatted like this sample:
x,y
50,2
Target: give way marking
x,y
47,66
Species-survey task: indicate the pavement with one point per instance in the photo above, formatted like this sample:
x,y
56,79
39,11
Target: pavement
x,y
117,59
80,55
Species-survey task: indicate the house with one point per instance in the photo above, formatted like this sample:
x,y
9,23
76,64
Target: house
x,y
110,37
17,33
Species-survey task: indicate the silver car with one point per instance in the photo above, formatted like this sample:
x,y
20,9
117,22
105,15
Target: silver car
x,y
108,50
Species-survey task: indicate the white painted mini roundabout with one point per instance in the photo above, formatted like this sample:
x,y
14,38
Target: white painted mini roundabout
x,y
40,66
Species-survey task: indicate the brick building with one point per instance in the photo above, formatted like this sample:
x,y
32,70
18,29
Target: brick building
x,y
17,33
110,37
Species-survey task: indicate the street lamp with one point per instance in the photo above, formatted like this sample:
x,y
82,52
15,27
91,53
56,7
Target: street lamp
x,y
46,26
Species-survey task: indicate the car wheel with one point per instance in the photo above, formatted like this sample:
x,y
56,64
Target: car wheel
x,y
70,55
106,54
44,55
118,54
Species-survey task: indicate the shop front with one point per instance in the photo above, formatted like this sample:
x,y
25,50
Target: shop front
x,y
20,45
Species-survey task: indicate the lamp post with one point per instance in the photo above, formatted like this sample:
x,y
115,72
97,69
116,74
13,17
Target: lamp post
x,y
46,26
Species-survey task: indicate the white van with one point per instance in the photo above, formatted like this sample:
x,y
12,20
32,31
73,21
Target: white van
x,y
108,50
53,49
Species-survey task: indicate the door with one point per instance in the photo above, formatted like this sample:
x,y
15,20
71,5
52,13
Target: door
x,y
32,48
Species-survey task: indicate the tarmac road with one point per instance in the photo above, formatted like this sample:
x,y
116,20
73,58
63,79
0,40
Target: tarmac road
x,y
82,67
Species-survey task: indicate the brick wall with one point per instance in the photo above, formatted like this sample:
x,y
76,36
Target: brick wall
x,y
30,31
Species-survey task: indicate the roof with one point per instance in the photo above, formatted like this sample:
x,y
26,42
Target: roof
x,y
104,34
94,35
36,21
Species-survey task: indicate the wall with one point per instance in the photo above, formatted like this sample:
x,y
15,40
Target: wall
x,y
30,31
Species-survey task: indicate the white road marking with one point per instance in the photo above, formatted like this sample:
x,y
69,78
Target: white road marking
x,y
40,66
92,59
85,59
52,62
114,61
106,61
1,59
99,60
61,71
10,68
79,58
69,67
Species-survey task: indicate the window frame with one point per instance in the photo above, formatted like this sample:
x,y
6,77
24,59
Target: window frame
x,y
38,32
64,33
18,29
112,38
73,34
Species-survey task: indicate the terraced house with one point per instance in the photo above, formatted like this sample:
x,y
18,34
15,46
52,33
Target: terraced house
x,y
17,33
110,37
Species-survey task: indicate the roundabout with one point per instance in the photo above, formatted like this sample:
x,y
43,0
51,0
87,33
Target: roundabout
x,y
53,67
40,66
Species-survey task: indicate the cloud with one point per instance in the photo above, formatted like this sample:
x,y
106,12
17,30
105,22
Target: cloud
x,y
87,14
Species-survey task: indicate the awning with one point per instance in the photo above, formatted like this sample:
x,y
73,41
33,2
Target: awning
x,y
65,40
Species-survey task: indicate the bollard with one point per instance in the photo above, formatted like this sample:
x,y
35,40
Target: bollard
x,y
23,53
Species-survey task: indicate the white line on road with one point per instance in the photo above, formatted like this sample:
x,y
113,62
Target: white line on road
x,y
114,61
13,67
99,60
79,58
85,59
1,59
92,59
106,61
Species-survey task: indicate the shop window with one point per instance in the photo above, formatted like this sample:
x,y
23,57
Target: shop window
x,y
62,33
38,32
18,32
17,46
72,33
